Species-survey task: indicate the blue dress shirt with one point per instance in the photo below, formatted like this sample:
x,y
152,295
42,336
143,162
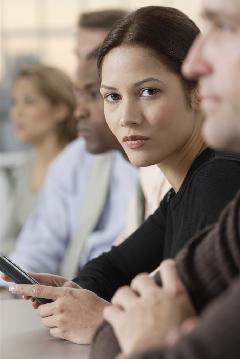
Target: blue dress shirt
x,y
45,237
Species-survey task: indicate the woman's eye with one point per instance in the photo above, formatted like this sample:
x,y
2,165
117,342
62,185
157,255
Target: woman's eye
x,y
147,92
112,97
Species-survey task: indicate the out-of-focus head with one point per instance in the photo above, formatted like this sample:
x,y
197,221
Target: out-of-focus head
x,y
43,103
89,112
92,30
215,61
148,104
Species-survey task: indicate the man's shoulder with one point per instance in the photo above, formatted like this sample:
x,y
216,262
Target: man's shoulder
x,y
70,165
73,157
73,165
72,153
124,174
122,165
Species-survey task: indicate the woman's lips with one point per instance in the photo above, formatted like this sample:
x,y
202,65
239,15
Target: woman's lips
x,y
135,142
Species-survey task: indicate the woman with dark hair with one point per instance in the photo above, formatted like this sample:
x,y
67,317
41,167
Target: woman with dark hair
x,y
154,112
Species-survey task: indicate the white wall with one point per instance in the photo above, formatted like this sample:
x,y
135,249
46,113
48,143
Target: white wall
x,y
22,22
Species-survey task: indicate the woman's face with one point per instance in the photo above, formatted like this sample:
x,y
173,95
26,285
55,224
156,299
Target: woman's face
x,y
144,105
34,117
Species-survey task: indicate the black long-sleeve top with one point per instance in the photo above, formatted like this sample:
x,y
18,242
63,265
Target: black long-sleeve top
x,y
211,182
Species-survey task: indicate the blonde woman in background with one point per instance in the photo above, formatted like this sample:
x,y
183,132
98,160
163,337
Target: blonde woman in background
x,y
42,109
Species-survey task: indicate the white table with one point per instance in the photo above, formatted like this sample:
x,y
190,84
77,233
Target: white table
x,y
22,335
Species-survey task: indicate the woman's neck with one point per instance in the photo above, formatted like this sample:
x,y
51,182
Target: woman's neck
x,y
176,166
48,149
45,152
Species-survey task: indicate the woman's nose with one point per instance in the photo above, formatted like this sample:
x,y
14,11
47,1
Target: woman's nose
x,y
131,115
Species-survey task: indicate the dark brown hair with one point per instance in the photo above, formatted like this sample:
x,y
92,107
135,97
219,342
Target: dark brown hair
x,y
57,87
166,31
104,19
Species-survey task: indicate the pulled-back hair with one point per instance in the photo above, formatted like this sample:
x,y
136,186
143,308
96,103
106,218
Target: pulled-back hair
x,y
57,87
166,31
103,19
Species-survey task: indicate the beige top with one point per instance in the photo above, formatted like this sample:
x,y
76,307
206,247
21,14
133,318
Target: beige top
x,y
19,202
154,187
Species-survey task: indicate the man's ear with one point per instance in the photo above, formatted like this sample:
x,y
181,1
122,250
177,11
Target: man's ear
x,y
195,100
61,112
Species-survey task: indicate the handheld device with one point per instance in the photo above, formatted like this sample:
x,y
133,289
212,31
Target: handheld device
x,y
18,275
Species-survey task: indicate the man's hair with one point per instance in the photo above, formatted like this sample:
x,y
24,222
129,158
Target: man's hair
x,y
104,19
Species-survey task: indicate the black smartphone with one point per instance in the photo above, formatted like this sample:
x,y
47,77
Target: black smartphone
x,y
18,275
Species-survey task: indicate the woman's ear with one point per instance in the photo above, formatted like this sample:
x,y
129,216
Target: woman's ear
x,y
195,100
61,112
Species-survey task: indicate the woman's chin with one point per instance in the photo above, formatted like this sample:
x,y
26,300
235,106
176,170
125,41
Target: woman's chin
x,y
140,161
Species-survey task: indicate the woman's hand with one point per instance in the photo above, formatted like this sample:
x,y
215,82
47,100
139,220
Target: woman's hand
x,y
74,313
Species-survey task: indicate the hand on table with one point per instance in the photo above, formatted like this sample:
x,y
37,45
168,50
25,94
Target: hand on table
x,y
144,314
74,313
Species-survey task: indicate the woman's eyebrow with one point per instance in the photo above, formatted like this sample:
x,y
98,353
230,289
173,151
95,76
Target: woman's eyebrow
x,y
139,83
148,79
108,87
